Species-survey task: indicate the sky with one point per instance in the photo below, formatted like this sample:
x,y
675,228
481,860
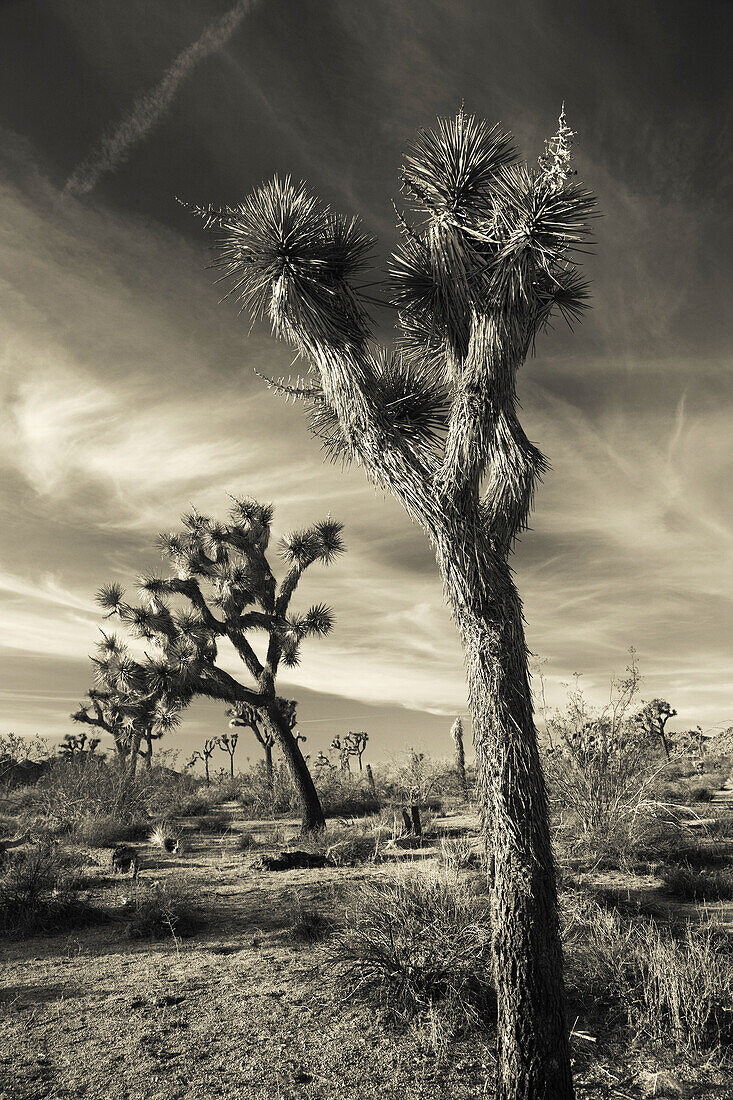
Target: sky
x,y
127,393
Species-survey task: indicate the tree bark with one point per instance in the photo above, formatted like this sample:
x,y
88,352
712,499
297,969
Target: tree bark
x,y
313,818
149,752
534,1058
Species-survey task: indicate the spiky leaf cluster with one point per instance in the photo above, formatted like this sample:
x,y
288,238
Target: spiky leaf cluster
x,y
483,236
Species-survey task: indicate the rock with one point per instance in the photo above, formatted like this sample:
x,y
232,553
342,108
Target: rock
x,y
289,861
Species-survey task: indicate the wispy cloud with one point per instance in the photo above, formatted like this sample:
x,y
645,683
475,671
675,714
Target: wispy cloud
x,y
146,112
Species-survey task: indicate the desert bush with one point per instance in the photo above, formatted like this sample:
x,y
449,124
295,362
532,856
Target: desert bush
x,y
107,830
638,842
311,923
415,945
215,823
600,764
672,988
157,910
38,893
698,883
683,988
458,853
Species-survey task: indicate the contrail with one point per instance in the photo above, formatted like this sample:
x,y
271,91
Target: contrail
x,y
115,146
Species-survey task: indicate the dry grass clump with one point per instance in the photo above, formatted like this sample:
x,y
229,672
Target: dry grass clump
x,y
165,836
459,853
699,883
668,987
108,830
38,893
312,923
219,822
156,910
417,945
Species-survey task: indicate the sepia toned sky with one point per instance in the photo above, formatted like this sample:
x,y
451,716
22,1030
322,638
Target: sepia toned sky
x,y
127,393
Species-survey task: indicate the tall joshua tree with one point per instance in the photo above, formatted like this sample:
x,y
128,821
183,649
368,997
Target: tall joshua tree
x,y
457,735
127,704
486,257
222,590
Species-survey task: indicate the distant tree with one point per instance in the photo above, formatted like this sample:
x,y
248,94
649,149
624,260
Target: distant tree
x,y
222,579
73,745
457,735
204,755
247,716
652,719
490,256
357,745
228,743
342,747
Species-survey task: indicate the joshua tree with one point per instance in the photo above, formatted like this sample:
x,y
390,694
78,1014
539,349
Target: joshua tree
x,y
228,743
357,745
204,755
248,716
223,581
128,704
457,735
76,746
478,275
652,719
342,747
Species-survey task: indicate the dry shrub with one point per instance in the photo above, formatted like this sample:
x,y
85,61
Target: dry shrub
x,y
698,883
667,987
107,830
215,823
156,910
416,945
38,893
459,853
310,924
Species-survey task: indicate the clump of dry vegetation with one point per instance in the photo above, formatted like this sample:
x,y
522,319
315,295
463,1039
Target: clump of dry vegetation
x,y
664,986
157,910
39,892
415,945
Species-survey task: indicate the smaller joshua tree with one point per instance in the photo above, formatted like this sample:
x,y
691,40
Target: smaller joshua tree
x,y
248,716
204,755
350,744
228,743
652,720
457,735
221,590
127,703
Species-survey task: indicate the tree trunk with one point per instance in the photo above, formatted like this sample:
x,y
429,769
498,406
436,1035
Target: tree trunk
x,y
416,822
149,752
313,818
206,768
269,774
370,777
407,820
533,1048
